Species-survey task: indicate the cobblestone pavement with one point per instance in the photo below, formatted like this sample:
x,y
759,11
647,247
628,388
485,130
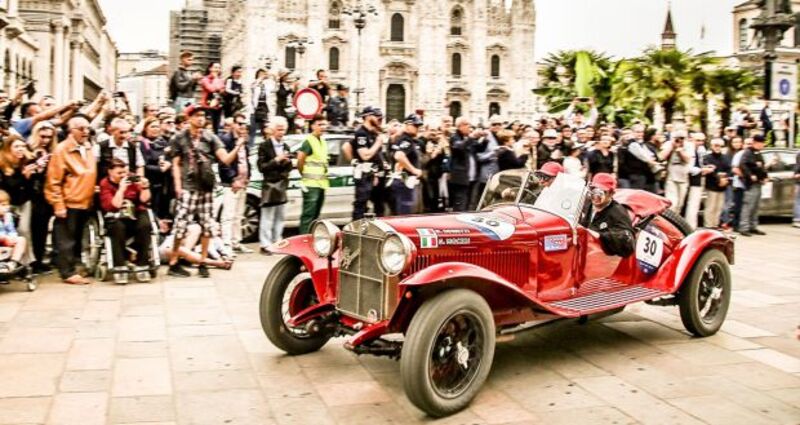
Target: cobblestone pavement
x,y
191,351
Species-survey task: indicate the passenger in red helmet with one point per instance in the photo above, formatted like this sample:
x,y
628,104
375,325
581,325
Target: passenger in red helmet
x,y
610,221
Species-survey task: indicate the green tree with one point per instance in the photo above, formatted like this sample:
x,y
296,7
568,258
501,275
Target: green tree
x,y
557,81
734,86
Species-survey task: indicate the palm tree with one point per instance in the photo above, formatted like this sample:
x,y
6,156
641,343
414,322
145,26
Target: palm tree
x,y
558,78
734,86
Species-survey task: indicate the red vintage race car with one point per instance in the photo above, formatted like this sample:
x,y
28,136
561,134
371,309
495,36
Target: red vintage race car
x,y
437,290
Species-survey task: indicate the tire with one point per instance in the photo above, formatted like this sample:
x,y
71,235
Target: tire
x,y
676,220
252,214
708,282
293,341
426,351
91,246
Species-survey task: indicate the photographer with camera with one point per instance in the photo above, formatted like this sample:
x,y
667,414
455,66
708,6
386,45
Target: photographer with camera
x,y
260,93
123,200
122,147
275,164
213,87
32,114
575,117
42,143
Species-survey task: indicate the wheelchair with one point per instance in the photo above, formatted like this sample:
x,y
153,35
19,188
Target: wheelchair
x,y
97,253
17,273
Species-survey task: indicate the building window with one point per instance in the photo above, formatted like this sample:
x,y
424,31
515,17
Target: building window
x,y
743,29
455,65
395,102
797,30
290,59
334,15
397,27
333,59
494,109
456,21
455,109
495,66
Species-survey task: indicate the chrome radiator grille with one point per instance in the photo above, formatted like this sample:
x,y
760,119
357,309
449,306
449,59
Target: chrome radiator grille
x,y
362,284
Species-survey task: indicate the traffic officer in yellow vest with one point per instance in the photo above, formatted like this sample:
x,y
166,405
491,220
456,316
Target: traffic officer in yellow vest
x,y
312,162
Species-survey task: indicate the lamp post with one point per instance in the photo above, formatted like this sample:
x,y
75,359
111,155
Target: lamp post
x,y
299,45
359,12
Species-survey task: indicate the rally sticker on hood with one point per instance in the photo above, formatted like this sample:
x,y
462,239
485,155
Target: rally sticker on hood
x,y
492,226
435,238
556,243
428,238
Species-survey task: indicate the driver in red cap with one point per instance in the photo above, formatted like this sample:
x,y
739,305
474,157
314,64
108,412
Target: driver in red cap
x,y
548,172
610,221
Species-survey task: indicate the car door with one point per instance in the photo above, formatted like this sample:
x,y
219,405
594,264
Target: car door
x,y
777,195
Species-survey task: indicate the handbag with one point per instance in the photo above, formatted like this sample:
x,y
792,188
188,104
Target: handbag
x,y
274,193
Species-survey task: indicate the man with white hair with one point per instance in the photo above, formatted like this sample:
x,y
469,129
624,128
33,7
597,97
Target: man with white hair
x,y
275,163
697,172
120,146
463,164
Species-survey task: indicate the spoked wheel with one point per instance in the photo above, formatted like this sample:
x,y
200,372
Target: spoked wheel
x,y
91,245
706,295
448,352
288,291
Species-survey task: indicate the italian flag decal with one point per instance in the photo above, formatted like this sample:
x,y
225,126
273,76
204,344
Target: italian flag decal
x,y
428,238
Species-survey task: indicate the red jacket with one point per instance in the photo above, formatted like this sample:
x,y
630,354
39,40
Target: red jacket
x,y
211,84
107,191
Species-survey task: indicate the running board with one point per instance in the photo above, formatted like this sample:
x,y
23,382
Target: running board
x,y
603,300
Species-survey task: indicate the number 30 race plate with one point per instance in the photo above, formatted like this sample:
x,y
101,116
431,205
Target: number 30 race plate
x,y
649,251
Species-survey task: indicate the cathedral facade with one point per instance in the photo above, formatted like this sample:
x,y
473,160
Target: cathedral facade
x,y
447,57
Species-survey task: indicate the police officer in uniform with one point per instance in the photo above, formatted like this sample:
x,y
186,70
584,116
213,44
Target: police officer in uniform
x,y
405,166
366,149
610,221
337,109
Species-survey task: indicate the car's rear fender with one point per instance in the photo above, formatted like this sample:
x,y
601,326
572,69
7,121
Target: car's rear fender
x,y
498,292
686,254
300,247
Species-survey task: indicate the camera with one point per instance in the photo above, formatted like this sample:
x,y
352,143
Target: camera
x,y
133,178
583,99
30,88
119,94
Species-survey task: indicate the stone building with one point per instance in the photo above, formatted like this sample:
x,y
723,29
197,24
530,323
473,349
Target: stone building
x,y
76,56
197,28
17,47
447,57
749,49
144,79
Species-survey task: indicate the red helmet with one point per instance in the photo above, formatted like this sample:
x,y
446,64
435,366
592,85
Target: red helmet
x,y
551,169
604,181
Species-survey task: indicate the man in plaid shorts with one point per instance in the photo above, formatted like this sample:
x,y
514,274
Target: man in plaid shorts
x,y
193,152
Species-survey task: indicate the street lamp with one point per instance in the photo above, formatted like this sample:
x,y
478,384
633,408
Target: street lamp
x,y
359,12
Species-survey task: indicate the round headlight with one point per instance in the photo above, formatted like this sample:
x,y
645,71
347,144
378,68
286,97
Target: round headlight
x,y
394,254
324,233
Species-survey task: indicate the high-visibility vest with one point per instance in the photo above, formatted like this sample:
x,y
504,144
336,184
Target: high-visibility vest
x,y
315,170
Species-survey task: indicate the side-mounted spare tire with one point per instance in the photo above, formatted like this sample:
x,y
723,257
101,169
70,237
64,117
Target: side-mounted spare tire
x,y
676,220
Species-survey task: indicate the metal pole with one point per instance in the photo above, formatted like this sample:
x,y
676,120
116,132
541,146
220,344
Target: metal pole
x,y
358,74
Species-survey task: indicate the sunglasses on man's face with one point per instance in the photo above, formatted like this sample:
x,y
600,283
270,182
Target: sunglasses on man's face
x,y
544,177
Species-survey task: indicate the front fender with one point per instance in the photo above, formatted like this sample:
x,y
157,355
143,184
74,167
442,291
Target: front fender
x,y
300,247
689,251
498,292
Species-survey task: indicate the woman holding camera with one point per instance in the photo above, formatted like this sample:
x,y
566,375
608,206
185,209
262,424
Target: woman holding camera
x,y
213,87
42,143
16,168
156,166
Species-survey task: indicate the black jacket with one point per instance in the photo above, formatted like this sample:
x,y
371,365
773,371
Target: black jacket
x,y
182,84
615,229
723,165
507,159
338,111
462,148
152,152
273,172
227,173
752,164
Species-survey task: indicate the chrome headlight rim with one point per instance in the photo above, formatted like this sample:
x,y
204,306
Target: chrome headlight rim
x,y
408,249
330,237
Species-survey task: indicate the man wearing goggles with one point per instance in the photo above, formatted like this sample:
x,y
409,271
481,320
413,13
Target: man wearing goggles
x,y
610,221
548,173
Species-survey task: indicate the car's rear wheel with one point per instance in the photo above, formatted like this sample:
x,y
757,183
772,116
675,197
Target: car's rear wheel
x,y
250,222
706,294
286,292
676,220
448,352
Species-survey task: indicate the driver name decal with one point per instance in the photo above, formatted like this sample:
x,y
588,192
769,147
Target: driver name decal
x,y
649,250
435,238
555,243
494,227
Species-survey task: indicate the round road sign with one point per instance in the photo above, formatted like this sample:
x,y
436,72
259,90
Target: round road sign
x,y
308,103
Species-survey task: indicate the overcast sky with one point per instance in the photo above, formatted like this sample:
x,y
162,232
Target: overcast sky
x,y
618,27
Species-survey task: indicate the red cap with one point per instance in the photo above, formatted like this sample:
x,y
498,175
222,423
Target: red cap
x,y
193,109
551,169
604,181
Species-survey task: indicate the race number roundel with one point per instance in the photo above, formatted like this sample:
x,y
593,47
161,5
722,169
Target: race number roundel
x,y
649,251
308,103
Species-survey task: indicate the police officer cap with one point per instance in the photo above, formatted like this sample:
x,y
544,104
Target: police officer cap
x,y
369,110
414,119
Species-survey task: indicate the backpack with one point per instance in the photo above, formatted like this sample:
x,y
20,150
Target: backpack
x,y
203,172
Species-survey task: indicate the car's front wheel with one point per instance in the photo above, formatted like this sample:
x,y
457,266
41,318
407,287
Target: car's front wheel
x,y
448,352
287,291
706,294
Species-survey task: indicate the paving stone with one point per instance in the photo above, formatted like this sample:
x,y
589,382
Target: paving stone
x,y
716,410
789,396
148,376
87,354
214,380
37,340
756,375
183,331
142,328
8,311
364,392
30,375
306,410
704,354
138,349
634,402
775,359
286,386
85,381
101,310
649,332
495,407
223,407
79,409
336,375
141,409
730,342
96,329
207,353
743,330
24,410
602,415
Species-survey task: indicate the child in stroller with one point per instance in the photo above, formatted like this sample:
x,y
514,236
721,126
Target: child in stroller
x,y
12,246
